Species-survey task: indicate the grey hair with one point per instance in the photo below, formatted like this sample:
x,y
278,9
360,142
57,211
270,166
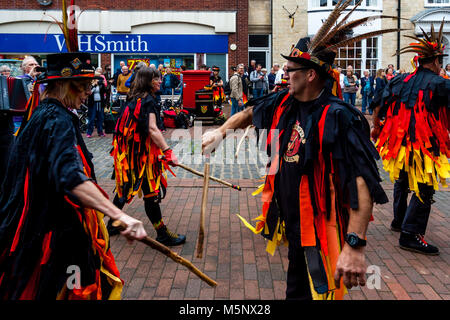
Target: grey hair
x,y
4,68
25,62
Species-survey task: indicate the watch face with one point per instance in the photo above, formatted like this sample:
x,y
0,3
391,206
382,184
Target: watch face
x,y
45,2
352,240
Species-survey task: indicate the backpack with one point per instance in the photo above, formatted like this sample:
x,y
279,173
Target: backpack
x,y
227,88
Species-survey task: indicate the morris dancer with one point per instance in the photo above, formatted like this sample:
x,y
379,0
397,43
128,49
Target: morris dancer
x,y
137,146
413,140
322,179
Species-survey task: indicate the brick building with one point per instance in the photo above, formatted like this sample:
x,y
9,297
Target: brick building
x,y
175,33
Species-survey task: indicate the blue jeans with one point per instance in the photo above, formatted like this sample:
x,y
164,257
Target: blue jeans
x,y
366,100
350,98
235,108
257,93
95,112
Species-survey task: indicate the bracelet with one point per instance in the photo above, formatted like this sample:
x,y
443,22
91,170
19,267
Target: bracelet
x,y
168,148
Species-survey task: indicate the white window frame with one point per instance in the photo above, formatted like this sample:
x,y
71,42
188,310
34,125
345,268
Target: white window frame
x,y
364,56
330,5
426,4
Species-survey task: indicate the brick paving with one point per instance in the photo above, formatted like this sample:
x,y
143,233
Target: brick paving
x,y
236,258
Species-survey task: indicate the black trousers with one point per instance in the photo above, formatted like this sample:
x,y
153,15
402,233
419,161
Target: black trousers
x,y
151,204
412,218
297,275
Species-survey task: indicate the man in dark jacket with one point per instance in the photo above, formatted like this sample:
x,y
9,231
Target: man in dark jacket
x,y
170,82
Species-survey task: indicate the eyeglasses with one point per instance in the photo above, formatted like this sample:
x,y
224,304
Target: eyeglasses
x,y
296,69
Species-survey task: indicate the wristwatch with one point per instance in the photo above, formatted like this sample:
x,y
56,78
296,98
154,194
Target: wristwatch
x,y
354,241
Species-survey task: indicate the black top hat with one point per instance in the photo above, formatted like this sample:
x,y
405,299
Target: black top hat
x,y
321,62
65,66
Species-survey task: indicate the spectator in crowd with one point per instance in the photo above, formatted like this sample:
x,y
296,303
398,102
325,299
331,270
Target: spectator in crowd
x,y
266,81
109,82
96,104
447,69
160,71
390,73
202,67
244,78
350,87
271,78
391,66
181,85
367,91
401,71
380,82
133,75
280,74
237,90
28,67
99,70
5,70
169,82
443,74
117,73
258,80
341,77
252,67
122,89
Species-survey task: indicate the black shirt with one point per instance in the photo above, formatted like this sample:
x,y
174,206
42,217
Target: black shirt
x,y
291,171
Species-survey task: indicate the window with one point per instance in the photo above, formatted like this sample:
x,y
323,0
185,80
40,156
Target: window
x,y
320,4
361,55
437,2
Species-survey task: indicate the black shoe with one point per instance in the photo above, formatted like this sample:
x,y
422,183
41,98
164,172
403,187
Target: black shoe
x,y
416,243
168,238
396,227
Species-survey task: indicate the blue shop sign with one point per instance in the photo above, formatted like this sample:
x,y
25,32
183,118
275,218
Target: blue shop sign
x,y
115,43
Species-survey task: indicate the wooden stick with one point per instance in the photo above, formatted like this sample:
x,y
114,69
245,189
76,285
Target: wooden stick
x,y
201,231
200,174
242,140
169,253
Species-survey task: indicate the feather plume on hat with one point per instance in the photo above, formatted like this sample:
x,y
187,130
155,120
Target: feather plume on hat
x,y
69,26
427,47
333,35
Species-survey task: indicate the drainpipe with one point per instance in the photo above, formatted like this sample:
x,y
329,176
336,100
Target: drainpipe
x,y
271,32
399,10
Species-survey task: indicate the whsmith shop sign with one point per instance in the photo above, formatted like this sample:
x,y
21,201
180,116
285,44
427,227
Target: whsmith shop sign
x,y
115,43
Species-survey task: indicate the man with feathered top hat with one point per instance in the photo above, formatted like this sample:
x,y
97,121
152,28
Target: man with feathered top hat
x,y
322,178
413,139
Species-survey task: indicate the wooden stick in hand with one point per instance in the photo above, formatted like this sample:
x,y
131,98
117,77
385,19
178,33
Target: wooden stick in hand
x,y
201,231
169,253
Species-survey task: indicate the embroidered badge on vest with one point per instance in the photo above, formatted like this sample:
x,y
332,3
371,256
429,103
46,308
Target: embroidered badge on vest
x,y
297,138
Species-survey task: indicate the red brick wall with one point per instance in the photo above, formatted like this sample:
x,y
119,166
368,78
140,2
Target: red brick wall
x,y
240,38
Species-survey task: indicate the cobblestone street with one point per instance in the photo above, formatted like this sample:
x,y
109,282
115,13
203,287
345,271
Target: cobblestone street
x,y
236,258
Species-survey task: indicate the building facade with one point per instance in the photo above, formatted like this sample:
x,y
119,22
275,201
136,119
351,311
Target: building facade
x,y
371,54
172,33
